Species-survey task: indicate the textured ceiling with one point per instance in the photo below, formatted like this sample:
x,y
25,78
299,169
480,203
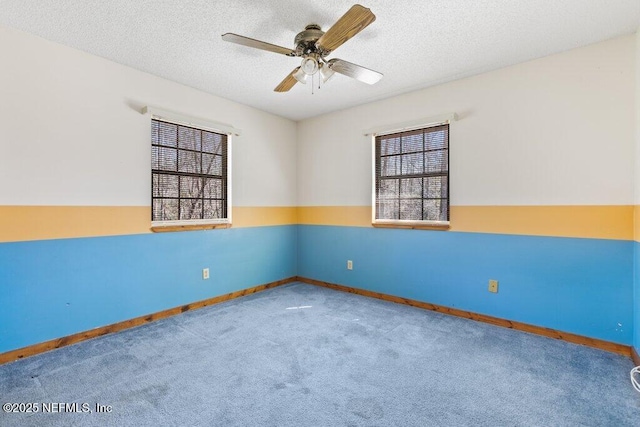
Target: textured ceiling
x,y
414,43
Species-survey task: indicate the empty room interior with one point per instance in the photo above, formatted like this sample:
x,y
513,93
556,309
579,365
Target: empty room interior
x,y
304,213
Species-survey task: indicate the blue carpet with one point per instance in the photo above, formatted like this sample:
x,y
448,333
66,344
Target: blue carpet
x,y
300,355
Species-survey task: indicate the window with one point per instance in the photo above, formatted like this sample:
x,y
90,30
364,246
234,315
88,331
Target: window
x,y
411,175
189,169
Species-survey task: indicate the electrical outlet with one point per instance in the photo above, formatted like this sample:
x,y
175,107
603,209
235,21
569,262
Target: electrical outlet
x,y
493,286
205,273
349,265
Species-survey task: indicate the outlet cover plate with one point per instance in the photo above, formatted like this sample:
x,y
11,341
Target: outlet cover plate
x,y
493,286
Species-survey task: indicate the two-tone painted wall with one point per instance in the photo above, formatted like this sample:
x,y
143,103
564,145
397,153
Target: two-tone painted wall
x,y
636,297
75,247
542,195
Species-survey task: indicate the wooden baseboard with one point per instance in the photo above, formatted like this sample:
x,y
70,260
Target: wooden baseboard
x,y
547,332
32,350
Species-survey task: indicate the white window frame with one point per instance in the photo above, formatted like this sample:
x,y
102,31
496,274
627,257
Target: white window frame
x,y
208,125
445,119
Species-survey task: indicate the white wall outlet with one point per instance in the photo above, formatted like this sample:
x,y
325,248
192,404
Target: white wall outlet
x,y
349,265
493,286
205,273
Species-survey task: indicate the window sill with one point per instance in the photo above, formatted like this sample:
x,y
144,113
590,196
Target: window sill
x,y
188,227
413,225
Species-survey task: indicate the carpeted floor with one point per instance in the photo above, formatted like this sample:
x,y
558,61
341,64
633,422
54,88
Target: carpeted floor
x,y
300,355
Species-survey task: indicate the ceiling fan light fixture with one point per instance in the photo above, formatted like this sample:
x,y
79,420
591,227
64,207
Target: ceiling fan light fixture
x,y
300,76
309,66
326,72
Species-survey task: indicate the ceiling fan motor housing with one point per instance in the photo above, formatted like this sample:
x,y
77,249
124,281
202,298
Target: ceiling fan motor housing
x,y
305,41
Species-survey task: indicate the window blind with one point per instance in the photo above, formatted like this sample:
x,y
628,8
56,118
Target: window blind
x,y
189,173
412,175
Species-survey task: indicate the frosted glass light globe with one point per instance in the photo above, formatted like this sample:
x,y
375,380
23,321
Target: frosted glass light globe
x,y
309,66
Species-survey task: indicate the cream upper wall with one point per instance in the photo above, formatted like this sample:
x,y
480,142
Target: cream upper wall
x,y
554,131
637,156
535,133
71,132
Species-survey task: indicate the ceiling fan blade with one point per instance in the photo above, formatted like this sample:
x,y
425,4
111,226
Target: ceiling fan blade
x,y
357,72
350,24
257,44
288,82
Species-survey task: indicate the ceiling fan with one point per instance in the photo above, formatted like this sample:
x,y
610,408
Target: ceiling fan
x,y
313,45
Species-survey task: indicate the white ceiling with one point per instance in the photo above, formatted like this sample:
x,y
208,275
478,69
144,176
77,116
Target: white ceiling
x,y
414,43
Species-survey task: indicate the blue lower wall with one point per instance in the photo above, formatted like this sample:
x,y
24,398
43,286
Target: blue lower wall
x,y
636,297
582,286
54,288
